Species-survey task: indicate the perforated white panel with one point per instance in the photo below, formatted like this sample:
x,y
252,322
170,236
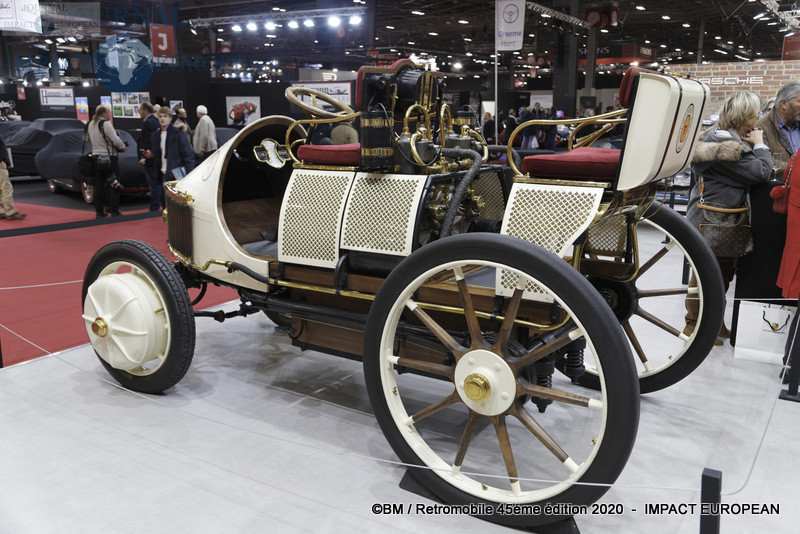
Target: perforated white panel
x,y
549,216
311,215
381,212
607,238
487,186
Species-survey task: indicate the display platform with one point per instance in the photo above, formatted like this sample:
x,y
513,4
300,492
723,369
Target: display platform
x,y
260,436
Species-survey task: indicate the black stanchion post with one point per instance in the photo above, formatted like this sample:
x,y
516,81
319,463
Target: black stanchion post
x,y
710,499
794,370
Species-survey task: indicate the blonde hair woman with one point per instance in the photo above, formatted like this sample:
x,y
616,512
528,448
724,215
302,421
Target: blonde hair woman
x,y
730,158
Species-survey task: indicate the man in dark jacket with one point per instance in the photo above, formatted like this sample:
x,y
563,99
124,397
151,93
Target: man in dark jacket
x,y
7,209
171,153
145,144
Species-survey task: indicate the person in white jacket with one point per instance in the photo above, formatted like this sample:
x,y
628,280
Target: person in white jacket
x,y
205,137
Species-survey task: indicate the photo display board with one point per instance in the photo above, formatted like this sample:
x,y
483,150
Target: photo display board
x,y
126,105
242,110
337,90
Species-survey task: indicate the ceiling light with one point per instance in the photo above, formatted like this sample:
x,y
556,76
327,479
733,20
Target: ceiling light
x,y
468,54
730,42
308,23
220,29
475,76
545,16
193,31
790,34
687,25
665,17
433,33
72,39
293,24
219,39
647,41
640,8
236,28
269,26
271,36
603,30
389,27
252,26
86,84
663,46
48,41
457,65
462,21
678,50
468,39
333,22
773,23
420,13
412,43
355,20
760,15
717,37
276,9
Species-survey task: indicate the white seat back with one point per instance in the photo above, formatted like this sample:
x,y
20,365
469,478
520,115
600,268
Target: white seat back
x,y
662,129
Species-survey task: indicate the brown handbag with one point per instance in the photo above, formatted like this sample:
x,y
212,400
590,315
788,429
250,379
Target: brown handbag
x,y
727,230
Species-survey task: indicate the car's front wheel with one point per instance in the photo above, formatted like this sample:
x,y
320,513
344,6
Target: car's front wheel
x,y
138,316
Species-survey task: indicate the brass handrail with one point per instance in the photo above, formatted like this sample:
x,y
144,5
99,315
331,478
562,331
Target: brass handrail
x,y
588,139
549,122
314,122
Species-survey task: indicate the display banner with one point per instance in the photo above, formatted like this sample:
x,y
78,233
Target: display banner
x,y
162,43
106,101
791,47
57,98
82,108
20,16
243,110
509,25
20,93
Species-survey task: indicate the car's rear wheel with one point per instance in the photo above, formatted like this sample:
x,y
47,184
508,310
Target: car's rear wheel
x,y
452,361
138,316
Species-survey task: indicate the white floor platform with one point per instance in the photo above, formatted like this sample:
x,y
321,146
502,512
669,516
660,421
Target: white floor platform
x,y
260,437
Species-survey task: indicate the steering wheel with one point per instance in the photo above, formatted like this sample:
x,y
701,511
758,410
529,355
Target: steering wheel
x,y
315,112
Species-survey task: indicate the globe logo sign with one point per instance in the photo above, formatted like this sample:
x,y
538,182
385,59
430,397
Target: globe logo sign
x,y
511,14
123,64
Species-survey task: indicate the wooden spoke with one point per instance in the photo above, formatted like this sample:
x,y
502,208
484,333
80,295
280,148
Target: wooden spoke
x,y
466,438
652,261
429,367
526,388
469,312
436,406
649,317
540,352
634,341
508,322
440,333
645,293
499,422
541,434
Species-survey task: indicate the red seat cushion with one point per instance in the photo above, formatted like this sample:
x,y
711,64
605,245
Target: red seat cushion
x,y
330,154
579,164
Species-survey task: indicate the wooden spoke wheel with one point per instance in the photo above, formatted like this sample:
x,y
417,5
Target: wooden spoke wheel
x,y
454,392
652,307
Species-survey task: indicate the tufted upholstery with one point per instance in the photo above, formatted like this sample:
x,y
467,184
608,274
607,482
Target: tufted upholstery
x,y
583,163
347,155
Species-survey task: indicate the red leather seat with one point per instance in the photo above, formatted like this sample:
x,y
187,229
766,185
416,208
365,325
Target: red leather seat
x,y
583,163
340,155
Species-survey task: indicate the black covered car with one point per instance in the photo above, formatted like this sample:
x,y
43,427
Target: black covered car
x,y
58,164
26,142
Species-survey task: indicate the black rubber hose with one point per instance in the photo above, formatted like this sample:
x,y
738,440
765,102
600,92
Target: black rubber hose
x,y
504,148
461,188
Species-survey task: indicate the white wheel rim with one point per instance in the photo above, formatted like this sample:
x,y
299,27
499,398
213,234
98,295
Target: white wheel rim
x,y
126,319
498,489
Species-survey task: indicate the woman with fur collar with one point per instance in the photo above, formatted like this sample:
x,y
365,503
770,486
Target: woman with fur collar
x,y
730,158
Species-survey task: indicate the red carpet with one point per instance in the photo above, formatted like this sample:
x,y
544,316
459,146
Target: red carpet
x,y
45,215
50,316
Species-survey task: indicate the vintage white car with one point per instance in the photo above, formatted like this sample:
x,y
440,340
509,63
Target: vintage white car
x,y
462,291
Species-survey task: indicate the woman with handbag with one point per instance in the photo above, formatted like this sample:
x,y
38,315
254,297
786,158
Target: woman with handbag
x,y
106,145
729,159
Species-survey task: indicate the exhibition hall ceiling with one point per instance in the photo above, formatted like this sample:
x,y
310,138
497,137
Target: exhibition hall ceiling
x,y
733,29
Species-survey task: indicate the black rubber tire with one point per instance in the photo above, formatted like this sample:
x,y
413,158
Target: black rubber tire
x,y
178,307
713,302
622,393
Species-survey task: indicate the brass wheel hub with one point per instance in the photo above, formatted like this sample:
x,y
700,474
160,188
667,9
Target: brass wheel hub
x,y
100,327
477,388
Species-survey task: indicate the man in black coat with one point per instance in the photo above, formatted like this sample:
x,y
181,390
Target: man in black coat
x,y
7,209
144,145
